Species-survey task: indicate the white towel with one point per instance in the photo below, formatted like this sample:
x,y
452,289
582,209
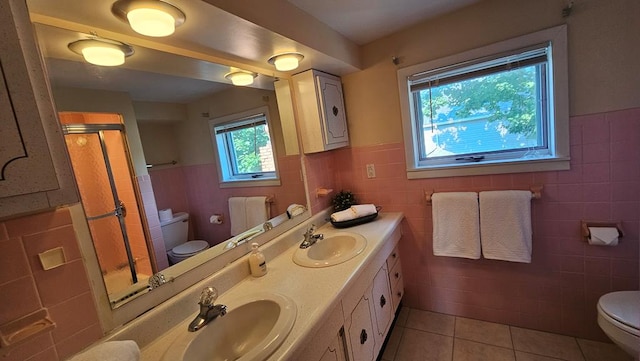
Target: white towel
x,y
257,211
353,212
505,225
111,351
456,230
237,215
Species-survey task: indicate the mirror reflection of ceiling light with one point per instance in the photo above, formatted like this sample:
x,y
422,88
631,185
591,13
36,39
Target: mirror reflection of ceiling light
x,y
103,52
241,78
286,61
149,17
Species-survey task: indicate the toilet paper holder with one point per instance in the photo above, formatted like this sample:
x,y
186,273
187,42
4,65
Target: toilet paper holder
x,y
584,227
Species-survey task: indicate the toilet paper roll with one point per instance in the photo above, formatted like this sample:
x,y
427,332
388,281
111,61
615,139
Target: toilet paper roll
x,y
603,236
216,219
165,214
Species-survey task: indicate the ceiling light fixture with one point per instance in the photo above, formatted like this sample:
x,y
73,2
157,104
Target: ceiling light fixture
x,y
149,17
241,78
103,52
286,61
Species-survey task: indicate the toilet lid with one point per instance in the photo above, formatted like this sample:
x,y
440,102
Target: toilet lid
x,y
190,247
623,306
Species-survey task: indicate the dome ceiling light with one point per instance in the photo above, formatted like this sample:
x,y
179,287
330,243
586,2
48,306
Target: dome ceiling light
x,y
149,17
241,78
103,52
286,61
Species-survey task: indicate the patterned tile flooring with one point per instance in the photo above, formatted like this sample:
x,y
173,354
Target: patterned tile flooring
x,y
428,336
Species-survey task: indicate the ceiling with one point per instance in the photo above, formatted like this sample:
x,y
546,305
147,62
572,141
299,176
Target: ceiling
x,y
187,64
363,21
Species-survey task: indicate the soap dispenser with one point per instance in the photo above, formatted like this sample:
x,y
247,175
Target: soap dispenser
x,y
257,262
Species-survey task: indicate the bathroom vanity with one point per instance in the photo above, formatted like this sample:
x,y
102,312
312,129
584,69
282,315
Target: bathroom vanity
x,y
337,312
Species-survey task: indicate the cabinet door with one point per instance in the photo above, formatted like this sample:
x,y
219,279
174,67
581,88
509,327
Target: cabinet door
x,y
335,351
25,162
361,334
34,166
332,103
382,303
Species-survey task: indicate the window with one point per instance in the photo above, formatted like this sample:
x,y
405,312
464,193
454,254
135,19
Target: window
x,y
244,148
497,109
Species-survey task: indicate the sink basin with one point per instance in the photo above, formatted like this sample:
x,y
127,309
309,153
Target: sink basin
x,y
253,328
332,250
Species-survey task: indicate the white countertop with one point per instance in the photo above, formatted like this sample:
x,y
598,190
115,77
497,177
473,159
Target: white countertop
x,y
316,291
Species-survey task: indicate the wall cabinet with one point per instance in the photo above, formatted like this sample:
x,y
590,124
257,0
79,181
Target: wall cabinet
x,y
34,169
321,112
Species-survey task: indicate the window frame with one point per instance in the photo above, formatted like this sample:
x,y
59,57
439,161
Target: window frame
x,y
558,105
225,164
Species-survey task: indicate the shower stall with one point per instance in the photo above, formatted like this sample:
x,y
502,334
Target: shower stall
x,y
101,163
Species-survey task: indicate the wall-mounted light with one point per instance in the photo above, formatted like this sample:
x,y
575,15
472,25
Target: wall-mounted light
x,y
286,61
102,52
149,17
241,78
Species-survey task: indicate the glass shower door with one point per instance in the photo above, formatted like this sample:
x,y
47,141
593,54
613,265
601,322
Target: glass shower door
x,y
101,165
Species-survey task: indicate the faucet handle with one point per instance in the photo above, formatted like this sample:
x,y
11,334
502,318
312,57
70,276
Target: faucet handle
x,y
208,296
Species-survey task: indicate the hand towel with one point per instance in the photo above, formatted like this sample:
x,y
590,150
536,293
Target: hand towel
x,y
353,212
237,215
111,351
456,230
257,211
505,225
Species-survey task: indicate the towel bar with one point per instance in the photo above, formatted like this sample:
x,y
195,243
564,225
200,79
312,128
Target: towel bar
x,y
536,193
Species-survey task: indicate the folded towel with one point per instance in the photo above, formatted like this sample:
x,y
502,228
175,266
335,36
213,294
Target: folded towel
x,y
237,215
111,351
456,230
295,210
257,211
505,225
353,212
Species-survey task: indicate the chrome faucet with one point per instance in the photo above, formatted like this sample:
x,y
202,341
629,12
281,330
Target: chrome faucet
x,y
208,310
309,238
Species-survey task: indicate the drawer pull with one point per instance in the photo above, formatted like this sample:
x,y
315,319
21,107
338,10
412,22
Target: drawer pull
x,y
383,301
363,336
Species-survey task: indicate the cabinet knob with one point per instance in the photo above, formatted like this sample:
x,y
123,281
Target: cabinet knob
x,y
363,336
399,294
397,275
383,301
335,111
394,255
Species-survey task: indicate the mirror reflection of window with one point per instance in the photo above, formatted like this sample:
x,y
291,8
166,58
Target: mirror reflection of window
x,y
245,151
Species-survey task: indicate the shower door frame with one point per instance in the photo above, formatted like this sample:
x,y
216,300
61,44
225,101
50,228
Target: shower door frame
x,y
119,207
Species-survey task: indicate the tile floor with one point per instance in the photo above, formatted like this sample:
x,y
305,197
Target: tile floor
x,y
428,336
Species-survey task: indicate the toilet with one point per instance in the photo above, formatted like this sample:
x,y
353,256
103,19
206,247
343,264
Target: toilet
x,y
619,318
175,232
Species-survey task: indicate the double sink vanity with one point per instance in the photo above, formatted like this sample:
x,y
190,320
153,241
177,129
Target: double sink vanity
x,y
334,300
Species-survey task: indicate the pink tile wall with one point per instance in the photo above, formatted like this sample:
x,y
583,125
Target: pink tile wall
x,y
25,287
321,174
153,222
559,290
195,189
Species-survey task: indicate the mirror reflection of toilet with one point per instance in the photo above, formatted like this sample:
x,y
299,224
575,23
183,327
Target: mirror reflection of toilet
x,y
175,232
619,318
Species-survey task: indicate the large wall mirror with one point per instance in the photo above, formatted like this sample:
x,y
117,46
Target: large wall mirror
x,y
155,112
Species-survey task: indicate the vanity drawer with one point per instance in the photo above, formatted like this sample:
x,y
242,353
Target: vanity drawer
x,y
395,275
397,288
393,258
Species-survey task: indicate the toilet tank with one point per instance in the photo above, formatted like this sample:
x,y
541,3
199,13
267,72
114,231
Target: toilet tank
x,y
175,231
